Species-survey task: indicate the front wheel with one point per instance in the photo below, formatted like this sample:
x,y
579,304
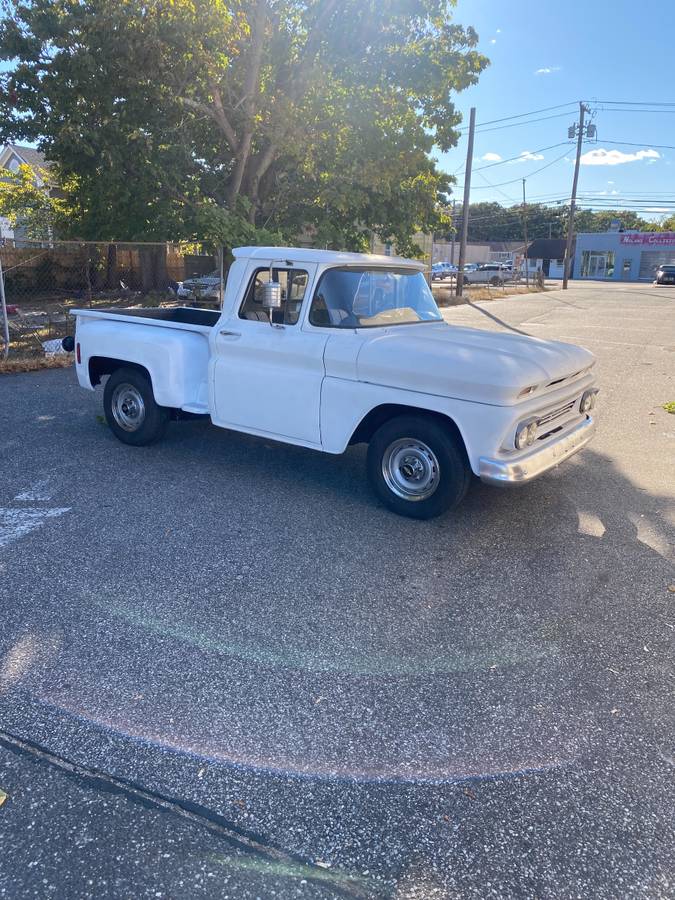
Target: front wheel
x,y
131,410
417,467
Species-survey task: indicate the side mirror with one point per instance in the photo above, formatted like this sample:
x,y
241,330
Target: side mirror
x,y
271,298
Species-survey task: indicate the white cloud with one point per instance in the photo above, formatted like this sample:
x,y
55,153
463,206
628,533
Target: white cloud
x,y
610,182
657,209
491,157
547,70
602,157
499,31
493,41
528,156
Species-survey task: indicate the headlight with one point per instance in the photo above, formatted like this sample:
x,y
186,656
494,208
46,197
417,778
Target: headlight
x,y
526,434
588,400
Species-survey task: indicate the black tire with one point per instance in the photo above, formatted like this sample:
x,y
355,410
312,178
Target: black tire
x,y
494,281
466,281
144,422
387,473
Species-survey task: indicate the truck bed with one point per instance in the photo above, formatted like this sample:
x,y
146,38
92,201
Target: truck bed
x,y
185,317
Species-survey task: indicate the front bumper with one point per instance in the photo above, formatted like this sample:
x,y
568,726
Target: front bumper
x,y
505,472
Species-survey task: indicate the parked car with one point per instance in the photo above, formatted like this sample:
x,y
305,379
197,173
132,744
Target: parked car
x,y
201,287
441,271
665,274
322,350
489,273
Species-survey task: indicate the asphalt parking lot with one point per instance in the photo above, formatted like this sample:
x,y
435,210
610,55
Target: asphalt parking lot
x,y
476,706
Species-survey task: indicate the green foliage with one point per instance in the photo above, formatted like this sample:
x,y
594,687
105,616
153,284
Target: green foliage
x,y
320,114
667,224
494,222
670,407
25,203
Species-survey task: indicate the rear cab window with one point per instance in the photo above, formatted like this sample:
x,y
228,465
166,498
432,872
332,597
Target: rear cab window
x,y
293,288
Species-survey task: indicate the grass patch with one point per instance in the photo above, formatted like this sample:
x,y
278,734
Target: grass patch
x,y
34,364
669,407
445,295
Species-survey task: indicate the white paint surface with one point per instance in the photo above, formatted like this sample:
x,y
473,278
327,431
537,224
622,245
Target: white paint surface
x,y
39,490
16,523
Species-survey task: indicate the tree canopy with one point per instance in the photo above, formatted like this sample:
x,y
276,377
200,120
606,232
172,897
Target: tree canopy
x,y
25,202
494,222
197,118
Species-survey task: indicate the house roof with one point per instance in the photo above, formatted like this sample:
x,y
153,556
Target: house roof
x,y
505,246
547,248
30,155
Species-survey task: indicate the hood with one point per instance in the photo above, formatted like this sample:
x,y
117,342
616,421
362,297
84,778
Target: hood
x,y
467,363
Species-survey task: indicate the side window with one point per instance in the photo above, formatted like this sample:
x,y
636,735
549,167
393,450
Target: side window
x,y
293,286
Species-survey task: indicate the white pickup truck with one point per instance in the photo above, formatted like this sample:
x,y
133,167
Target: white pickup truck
x,y
324,350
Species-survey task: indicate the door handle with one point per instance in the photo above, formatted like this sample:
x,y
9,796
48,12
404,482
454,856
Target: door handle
x,y
232,334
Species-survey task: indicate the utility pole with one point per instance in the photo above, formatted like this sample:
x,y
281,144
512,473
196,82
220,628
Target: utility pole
x,y
465,207
527,267
3,312
452,245
570,224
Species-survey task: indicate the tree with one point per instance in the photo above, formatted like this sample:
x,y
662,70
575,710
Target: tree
x,y
176,115
667,224
493,222
25,202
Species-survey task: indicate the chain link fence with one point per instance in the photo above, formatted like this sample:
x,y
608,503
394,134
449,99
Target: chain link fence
x,y
43,280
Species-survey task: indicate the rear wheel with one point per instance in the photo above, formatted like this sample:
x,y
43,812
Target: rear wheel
x,y
131,410
417,467
494,281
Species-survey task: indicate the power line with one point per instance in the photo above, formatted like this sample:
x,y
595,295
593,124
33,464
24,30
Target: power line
x,y
520,156
489,184
534,112
638,110
645,144
529,175
529,122
631,102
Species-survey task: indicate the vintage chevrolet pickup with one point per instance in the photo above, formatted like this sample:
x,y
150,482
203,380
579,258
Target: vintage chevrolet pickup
x,y
324,350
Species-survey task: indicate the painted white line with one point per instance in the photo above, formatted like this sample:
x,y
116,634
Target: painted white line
x,y
16,523
37,491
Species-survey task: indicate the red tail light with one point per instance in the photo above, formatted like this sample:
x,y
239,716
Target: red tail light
x,y
79,356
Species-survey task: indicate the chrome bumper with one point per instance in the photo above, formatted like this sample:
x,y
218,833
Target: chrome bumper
x,y
505,472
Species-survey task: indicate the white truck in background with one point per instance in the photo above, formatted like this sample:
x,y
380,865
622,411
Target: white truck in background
x,y
323,350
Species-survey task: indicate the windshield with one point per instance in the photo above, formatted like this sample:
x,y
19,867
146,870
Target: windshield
x,y
668,269
367,298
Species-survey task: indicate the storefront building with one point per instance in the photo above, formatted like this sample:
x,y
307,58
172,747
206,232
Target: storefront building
x,y
623,255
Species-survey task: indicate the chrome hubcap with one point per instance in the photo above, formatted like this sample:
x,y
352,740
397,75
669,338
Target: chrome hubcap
x,y
128,408
410,469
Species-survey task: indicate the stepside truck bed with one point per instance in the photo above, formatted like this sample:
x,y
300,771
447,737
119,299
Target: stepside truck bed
x,y
170,315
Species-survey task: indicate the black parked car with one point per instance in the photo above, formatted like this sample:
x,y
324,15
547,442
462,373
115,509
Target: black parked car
x,y
665,275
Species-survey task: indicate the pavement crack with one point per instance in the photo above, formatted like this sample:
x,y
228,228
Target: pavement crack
x,y
342,883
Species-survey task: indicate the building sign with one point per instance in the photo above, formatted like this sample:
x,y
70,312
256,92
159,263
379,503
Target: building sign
x,y
654,238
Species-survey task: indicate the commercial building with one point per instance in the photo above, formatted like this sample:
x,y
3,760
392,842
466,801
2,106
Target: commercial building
x,y
623,255
546,255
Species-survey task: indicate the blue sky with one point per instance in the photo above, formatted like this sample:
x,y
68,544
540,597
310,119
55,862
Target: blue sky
x,y
544,54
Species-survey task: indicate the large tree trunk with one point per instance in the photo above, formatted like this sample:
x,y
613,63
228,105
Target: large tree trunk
x,y
112,278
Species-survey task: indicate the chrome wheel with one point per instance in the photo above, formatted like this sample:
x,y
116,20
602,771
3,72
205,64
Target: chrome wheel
x,y
410,469
128,407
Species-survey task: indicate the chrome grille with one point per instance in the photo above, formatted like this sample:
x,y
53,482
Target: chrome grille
x,y
556,413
